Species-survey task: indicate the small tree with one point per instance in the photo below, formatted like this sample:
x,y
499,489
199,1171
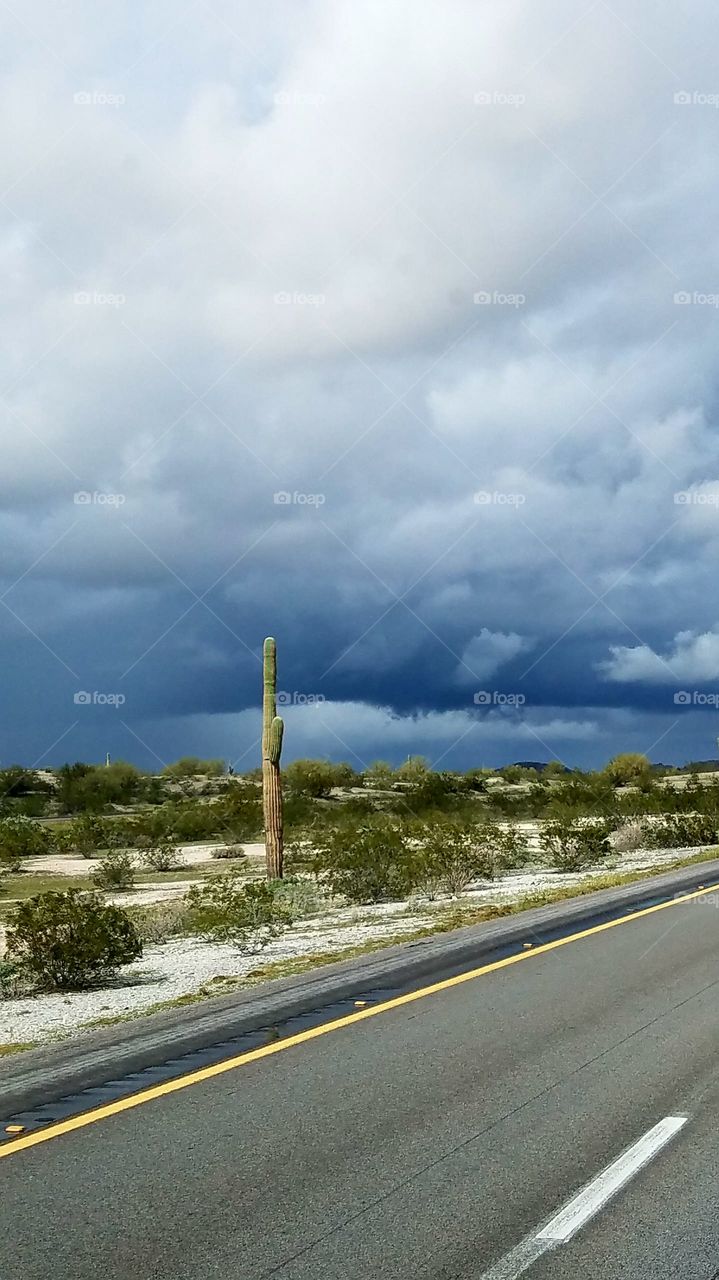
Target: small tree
x,y
228,909
71,940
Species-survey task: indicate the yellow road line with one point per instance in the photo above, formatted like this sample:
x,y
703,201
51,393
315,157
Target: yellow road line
x,y
267,1051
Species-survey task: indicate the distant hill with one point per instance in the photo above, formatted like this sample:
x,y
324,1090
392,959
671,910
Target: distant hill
x,y
700,766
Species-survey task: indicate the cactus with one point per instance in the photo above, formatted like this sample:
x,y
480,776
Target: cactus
x,y
272,731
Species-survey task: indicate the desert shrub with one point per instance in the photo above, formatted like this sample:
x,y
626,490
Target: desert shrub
x,y
630,768
190,766
365,862
414,769
14,981
378,774
300,896
315,778
630,836
237,814
160,855
518,773
20,838
92,788
684,831
572,845
115,871
451,854
229,851
71,940
300,852
157,922
509,846
89,833
228,909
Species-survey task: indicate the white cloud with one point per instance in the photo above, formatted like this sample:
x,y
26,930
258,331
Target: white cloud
x,y
692,657
487,652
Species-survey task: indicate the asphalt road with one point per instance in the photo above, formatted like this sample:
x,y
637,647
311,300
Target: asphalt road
x,y
435,1140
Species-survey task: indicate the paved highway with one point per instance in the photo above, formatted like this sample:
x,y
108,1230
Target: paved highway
x,y
555,1116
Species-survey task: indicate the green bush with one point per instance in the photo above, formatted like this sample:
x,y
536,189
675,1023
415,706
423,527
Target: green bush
x,y
90,833
115,871
365,862
161,855
71,940
92,788
316,778
228,909
629,769
379,774
683,831
300,896
191,766
157,922
572,845
20,838
449,854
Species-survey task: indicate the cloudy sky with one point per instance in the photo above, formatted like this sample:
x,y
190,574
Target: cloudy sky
x,y
386,328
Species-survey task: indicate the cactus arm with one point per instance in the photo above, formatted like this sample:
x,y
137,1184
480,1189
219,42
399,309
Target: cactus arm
x,y
277,729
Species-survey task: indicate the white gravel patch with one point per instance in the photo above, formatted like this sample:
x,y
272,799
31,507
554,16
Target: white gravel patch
x,y
190,855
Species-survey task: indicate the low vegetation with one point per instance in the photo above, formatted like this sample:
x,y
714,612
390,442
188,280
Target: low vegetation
x,y
72,940
388,834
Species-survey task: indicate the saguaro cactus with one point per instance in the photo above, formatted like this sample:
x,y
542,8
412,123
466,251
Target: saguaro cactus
x,y
272,731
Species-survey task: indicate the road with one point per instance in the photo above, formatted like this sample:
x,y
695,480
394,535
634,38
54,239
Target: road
x,y
436,1139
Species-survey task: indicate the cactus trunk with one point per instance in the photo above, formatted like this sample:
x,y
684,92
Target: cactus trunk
x,y
272,730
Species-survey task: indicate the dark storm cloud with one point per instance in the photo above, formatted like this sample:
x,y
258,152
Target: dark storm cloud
x,y
389,332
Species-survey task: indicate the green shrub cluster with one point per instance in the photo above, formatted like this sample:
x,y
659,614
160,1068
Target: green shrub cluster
x,y
574,844
228,909
71,940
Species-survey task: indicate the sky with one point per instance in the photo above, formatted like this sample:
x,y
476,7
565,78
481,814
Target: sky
x,y
387,329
